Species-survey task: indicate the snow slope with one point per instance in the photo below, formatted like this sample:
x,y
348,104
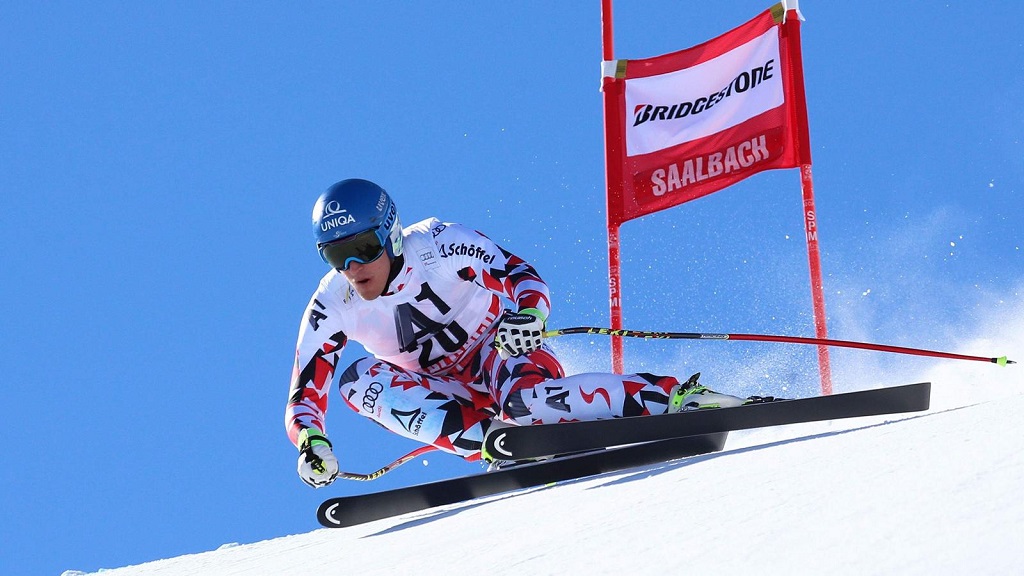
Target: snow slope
x,y
932,493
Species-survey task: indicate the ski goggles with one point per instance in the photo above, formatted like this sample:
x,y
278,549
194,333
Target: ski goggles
x,y
362,248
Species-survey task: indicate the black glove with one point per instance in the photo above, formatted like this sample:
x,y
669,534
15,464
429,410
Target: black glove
x,y
318,466
519,333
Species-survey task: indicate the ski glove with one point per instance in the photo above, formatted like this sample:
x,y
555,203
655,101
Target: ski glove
x,y
317,465
519,333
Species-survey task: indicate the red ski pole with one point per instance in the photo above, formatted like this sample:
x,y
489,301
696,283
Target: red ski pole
x,y
1002,361
378,473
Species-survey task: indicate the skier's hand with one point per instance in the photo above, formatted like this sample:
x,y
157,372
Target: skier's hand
x,y
519,333
317,465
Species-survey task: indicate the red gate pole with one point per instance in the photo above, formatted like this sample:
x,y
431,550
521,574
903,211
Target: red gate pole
x,y
807,189
611,88
817,287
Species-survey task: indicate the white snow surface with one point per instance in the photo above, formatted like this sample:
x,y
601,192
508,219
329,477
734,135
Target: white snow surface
x,y
937,492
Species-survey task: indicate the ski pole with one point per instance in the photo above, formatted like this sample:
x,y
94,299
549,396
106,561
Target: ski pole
x,y
1002,361
378,473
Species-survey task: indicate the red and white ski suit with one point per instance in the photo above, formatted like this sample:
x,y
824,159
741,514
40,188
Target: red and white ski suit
x,y
434,375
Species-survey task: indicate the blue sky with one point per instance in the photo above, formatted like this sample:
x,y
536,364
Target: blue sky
x,y
158,164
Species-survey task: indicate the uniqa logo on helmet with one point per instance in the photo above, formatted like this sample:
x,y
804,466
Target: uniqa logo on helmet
x,y
334,216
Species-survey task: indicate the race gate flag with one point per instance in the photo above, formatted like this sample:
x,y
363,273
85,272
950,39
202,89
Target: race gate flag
x,y
701,119
687,124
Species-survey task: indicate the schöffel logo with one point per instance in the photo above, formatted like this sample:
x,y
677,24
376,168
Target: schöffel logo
x,y
471,250
744,81
334,216
411,421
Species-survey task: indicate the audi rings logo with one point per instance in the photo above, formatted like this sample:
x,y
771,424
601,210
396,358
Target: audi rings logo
x,y
371,395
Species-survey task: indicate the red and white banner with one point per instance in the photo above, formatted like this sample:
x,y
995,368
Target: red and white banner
x,y
699,120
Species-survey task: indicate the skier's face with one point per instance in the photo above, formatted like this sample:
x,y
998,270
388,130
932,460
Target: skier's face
x,y
369,279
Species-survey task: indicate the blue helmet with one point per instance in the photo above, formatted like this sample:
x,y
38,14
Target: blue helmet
x,y
356,221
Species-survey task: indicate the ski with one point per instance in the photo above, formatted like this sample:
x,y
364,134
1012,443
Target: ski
x,y
529,442
351,510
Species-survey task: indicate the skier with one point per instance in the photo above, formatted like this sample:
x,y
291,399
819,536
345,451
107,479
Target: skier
x,y
449,359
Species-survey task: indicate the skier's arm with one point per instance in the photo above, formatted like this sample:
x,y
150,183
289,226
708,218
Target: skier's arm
x,y
476,258
321,341
526,288
319,346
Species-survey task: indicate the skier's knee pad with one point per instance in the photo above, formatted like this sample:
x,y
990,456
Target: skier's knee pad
x,y
515,409
356,370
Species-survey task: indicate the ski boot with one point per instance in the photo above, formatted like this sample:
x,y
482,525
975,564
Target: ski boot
x,y
495,463
691,395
